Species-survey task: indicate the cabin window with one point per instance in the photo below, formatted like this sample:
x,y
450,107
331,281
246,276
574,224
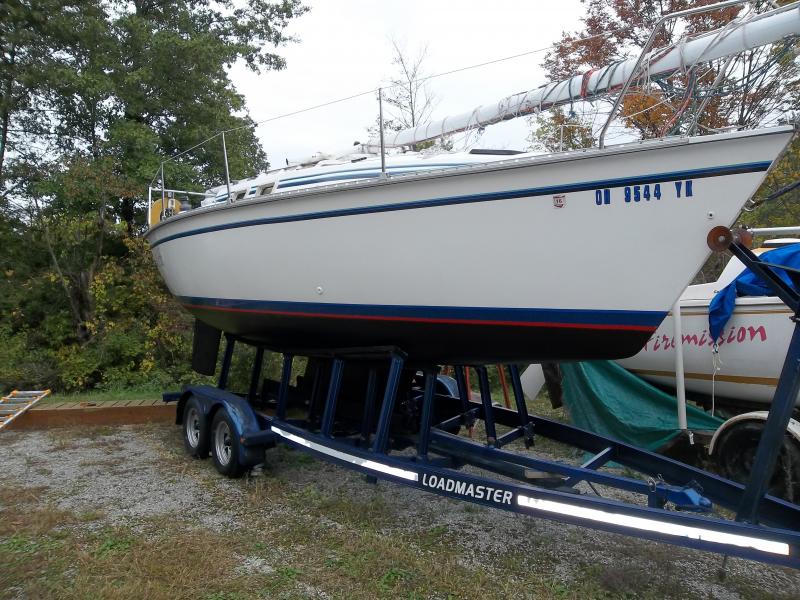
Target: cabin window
x,y
240,195
265,189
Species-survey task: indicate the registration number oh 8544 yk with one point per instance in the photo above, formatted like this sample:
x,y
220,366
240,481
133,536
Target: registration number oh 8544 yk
x,y
636,194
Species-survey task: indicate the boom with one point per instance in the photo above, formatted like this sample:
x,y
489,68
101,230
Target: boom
x,y
738,36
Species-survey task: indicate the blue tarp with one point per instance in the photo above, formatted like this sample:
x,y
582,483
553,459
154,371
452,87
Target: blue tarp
x,y
749,284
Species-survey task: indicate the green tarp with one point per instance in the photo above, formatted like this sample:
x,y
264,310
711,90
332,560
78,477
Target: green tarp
x,y
604,398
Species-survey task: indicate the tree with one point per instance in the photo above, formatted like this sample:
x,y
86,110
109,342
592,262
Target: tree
x,y
147,81
96,93
560,131
784,209
753,86
408,100
33,36
408,94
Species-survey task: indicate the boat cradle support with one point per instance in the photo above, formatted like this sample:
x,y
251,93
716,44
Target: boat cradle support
x,y
672,502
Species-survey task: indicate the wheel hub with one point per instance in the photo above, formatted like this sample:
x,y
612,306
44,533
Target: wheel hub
x,y
222,443
193,427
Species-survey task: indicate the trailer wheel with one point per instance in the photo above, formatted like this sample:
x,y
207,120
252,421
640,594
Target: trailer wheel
x,y
225,446
195,430
736,453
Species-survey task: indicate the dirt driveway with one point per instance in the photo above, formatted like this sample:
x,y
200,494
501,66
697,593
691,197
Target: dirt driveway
x,y
123,513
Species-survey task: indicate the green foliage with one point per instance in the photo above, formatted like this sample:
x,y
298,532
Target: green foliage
x,y
93,95
785,210
140,337
559,131
389,580
113,545
17,544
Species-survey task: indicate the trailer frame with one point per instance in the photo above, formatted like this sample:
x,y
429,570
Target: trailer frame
x,y
675,500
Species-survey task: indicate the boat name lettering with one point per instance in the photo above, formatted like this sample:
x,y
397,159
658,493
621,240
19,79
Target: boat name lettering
x,y
735,335
469,490
634,194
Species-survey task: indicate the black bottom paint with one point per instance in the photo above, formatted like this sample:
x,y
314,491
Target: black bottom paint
x,y
438,343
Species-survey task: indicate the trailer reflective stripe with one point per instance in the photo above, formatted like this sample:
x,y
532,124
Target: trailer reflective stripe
x,y
695,533
367,464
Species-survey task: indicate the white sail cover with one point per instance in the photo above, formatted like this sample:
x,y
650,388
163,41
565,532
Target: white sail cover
x,y
738,36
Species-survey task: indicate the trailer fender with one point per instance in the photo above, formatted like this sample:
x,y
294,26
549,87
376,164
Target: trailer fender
x,y
446,386
182,398
793,428
245,421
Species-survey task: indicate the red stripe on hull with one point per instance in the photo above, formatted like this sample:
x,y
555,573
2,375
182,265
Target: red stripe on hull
x,y
593,326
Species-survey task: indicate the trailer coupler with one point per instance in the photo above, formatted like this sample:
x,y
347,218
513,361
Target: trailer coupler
x,y
687,499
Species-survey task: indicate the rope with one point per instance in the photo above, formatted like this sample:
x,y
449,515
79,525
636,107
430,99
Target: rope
x,y
585,82
716,361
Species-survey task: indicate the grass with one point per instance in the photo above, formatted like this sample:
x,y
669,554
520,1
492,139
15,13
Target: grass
x,y
541,407
104,396
113,544
43,554
299,540
298,535
67,438
46,553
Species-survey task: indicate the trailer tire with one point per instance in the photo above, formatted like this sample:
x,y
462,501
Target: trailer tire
x,y
736,452
195,429
226,449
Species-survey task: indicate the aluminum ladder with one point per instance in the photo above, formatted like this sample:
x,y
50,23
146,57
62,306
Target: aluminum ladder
x,y
17,403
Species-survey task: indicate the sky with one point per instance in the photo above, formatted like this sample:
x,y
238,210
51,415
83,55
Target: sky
x,y
345,47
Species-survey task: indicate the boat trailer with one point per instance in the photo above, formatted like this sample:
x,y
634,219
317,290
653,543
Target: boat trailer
x,y
375,411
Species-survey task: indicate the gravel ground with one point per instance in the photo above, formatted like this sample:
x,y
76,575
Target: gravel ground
x,y
132,474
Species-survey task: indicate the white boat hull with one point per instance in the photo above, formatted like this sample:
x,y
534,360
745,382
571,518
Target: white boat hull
x,y
472,263
751,352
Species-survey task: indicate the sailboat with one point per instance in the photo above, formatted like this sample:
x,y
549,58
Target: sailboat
x,y
378,268
361,248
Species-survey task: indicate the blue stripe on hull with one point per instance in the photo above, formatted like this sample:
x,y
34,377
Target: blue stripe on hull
x,y
359,173
485,197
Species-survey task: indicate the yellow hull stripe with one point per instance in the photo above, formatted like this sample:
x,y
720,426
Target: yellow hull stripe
x,y
771,381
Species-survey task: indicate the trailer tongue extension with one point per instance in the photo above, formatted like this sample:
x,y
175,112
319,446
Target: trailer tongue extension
x,y
360,405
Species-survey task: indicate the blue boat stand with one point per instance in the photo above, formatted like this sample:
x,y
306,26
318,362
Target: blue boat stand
x,y
664,500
